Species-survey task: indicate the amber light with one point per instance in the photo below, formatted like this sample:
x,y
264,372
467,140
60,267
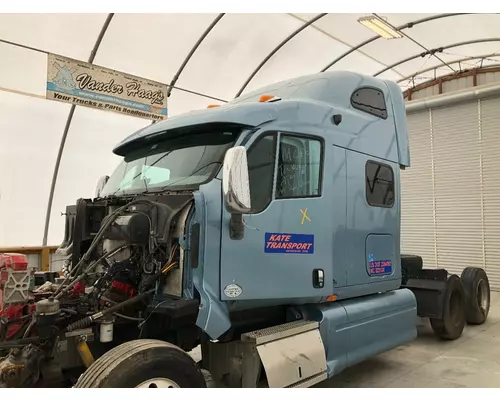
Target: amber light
x,y
213,106
265,97
333,297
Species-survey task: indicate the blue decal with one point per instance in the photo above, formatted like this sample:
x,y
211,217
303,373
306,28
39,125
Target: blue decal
x,y
370,258
381,267
290,243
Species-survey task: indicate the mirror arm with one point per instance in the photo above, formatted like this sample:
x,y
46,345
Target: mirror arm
x,y
236,227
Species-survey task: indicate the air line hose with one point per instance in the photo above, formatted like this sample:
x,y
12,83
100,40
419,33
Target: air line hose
x,y
87,321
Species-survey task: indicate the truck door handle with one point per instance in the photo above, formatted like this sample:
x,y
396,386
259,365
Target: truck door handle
x,y
318,278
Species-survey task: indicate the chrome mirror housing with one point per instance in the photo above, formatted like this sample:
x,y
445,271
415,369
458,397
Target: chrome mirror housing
x,y
235,183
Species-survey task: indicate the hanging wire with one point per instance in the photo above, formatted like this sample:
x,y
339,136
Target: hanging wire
x,y
38,50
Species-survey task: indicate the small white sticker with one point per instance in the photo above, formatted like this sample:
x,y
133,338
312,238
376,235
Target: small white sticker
x,y
232,290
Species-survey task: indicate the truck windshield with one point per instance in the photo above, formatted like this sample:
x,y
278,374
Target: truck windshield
x,y
180,163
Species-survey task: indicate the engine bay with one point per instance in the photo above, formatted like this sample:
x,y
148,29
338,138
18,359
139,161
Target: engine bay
x,y
123,266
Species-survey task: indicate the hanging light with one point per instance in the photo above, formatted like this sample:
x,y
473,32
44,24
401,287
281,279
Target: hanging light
x,y
380,27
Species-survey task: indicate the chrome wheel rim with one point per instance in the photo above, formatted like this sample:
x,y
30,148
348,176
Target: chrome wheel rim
x,y
482,296
158,383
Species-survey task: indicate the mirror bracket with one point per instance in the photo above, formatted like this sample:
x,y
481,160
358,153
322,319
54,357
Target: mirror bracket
x,y
236,227
100,185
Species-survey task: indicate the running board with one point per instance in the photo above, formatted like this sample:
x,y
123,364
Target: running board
x,y
292,354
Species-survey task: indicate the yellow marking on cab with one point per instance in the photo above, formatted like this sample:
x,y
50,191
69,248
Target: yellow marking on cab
x,y
304,216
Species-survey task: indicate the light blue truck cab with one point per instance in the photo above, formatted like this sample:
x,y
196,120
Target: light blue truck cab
x,y
266,231
305,212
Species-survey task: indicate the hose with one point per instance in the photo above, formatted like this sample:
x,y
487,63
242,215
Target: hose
x,y
86,271
153,278
129,318
69,311
28,329
19,342
107,221
11,321
87,321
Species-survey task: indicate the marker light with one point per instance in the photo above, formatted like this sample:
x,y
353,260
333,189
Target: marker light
x,y
213,106
265,97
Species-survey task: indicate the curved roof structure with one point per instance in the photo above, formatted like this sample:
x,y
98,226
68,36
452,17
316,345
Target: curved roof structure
x,y
52,153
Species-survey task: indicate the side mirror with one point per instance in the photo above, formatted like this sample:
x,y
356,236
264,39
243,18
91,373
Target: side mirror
x,y
100,185
235,183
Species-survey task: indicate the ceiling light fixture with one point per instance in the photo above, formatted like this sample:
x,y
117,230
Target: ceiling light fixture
x,y
380,27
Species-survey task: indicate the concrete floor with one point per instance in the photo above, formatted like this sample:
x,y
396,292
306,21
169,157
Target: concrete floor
x,y
471,361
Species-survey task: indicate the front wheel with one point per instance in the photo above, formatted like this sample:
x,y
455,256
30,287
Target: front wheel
x,y
143,363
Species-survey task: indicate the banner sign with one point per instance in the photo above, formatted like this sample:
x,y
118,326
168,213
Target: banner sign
x,y
84,84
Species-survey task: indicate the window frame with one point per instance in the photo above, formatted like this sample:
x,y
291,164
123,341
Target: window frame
x,y
321,141
275,146
355,106
379,163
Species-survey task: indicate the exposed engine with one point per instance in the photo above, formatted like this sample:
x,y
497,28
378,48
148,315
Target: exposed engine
x,y
120,262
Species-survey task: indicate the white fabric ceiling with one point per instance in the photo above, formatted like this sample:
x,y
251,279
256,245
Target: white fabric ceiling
x,y
154,46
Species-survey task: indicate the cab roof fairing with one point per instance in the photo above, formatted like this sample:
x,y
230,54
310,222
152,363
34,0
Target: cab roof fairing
x,y
311,96
244,115
247,111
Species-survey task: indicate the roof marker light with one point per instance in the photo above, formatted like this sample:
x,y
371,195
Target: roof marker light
x,y
268,97
213,105
380,27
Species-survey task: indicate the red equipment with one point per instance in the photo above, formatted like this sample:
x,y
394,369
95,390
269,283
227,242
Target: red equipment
x,y
15,282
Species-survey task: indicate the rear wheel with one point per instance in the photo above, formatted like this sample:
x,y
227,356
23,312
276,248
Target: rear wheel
x,y
452,324
143,364
477,292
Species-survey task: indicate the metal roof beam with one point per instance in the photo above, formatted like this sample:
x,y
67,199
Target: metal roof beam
x,y
399,28
193,50
413,40
436,50
276,49
461,60
66,130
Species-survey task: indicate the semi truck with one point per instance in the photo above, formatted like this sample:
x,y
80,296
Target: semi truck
x,y
267,231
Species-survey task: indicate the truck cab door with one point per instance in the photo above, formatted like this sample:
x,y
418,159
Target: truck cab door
x,y
287,243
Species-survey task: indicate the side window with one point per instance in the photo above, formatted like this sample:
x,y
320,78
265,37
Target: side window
x,y
261,160
379,184
371,101
299,167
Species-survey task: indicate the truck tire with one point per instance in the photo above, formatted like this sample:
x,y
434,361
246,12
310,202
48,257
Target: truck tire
x,y
143,363
209,381
477,295
451,326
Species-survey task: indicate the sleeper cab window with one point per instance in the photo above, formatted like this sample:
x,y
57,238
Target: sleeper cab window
x,y
379,184
370,100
